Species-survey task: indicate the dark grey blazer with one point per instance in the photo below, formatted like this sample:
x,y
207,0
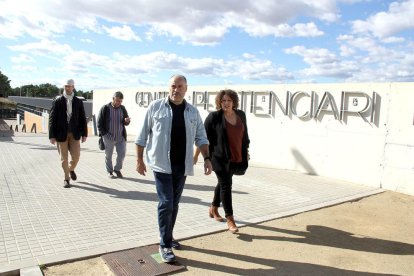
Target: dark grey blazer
x,y
103,120
58,123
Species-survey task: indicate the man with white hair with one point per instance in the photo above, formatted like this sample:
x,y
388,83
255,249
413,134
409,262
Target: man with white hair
x,y
67,126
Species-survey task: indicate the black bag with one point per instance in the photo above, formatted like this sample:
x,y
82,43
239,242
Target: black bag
x,y
238,168
101,143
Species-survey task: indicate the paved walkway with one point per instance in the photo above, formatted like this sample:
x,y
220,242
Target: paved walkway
x,y
41,222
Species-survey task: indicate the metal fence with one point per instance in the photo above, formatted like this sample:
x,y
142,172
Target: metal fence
x,y
8,113
22,108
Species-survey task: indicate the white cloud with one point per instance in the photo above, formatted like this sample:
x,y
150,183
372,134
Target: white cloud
x,y
374,49
162,61
22,58
325,9
248,56
22,18
341,70
346,51
369,50
10,30
385,72
82,63
393,39
324,63
83,59
313,56
200,22
383,24
122,33
205,35
252,69
43,47
366,61
87,40
282,30
307,30
24,68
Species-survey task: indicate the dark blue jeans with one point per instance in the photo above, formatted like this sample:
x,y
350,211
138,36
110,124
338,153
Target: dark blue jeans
x,y
169,190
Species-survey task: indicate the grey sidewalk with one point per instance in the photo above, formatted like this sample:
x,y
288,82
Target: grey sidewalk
x,y
41,222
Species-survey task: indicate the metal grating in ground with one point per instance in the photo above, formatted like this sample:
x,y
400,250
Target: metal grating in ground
x,y
144,261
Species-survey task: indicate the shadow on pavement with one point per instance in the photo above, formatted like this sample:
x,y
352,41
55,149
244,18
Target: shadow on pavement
x,y
139,180
327,236
133,195
37,146
188,186
278,267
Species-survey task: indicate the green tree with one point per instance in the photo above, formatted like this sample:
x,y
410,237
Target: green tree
x,y
5,87
45,90
85,94
48,90
28,90
15,91
88,94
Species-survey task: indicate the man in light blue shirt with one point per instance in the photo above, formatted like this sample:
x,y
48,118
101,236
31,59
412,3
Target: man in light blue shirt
x,y
170,128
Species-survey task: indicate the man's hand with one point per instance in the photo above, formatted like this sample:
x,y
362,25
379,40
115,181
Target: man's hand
x,y
83,139
52,141
208,168
127,120
141,168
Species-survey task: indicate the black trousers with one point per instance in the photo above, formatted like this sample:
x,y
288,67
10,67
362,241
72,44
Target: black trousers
x,y
222,192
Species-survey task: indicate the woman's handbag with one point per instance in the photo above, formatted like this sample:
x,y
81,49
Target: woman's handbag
x,y
238,168
101,143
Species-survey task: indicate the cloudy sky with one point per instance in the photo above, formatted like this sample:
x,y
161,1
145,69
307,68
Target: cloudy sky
x,y
132,43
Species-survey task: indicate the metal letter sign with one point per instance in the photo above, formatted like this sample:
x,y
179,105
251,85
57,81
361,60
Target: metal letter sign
x,y
353,103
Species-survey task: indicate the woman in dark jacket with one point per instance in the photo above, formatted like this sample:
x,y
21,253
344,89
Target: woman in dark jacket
x,y
229,142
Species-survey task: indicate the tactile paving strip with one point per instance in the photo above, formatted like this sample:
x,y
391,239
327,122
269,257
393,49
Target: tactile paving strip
x,y
139,261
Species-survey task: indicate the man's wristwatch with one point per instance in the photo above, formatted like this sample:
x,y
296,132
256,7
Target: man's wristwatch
x,y
207,158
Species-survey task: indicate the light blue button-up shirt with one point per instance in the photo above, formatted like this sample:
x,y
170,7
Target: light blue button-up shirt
x,y
155,135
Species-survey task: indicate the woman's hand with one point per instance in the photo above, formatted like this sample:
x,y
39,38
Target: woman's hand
x,y
208,168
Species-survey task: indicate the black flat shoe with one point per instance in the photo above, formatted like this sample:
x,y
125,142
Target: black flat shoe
x,y
66,184
73,175
118,174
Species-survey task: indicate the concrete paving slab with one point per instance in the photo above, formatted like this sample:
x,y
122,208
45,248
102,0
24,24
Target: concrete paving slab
x,y
31,271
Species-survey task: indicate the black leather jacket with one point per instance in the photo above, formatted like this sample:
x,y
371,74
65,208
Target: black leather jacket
x,y
219,146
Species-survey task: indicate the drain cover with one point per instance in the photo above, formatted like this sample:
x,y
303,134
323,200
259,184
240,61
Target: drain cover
x,y
140,261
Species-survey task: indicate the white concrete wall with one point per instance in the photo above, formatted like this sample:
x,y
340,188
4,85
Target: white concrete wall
x,y
398,161
378,153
